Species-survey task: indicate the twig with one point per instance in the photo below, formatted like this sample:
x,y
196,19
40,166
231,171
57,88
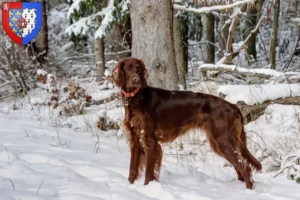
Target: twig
x,y
97,145
12,184
292,56
269,154
280,172
40,186
7,154
26,132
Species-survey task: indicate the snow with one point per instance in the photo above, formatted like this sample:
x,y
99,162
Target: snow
x,y
267,72
213,66
41,72
44,160
81,27
275,133
84,24
73,7
107,20
254,94
211,8
296,20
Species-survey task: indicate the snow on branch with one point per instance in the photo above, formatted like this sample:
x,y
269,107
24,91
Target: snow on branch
x,y
230,54
80,27
212,8
109,17
244,71
107,20
292,165
295,20
107,14
75,6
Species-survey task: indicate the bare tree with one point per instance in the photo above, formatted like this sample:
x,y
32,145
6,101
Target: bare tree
x,y
152,40
223,33
179,51
250,24
274,34
233,26
99,47
41,41
208,21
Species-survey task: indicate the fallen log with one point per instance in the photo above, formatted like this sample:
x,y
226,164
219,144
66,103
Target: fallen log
x,y
252,112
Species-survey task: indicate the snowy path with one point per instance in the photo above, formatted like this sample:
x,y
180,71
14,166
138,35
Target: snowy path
x,y
34,166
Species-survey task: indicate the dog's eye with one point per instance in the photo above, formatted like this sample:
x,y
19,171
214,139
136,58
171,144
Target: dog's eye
x,y
138,70
127,68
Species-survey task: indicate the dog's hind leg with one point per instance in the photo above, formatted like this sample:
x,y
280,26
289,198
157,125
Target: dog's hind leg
x,y
153,158
239,174
228,148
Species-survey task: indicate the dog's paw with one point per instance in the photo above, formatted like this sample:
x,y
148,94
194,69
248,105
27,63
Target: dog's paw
x,y
131,179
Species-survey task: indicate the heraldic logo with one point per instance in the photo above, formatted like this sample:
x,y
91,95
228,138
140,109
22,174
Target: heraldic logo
x,y
22,21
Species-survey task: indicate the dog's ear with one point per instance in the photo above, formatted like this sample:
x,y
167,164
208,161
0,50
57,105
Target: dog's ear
x,y
118,74
144,75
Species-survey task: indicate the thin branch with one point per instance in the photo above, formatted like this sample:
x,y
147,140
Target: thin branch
x,y
12,184
293,54
40,186
280,172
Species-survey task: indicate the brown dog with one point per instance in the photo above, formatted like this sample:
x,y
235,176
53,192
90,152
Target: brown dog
x,y
155,115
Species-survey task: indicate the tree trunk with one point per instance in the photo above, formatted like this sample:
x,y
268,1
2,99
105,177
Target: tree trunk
x,y
259,8
297,2
274,35
232,29
152,40
99,48
223,34
208,22
250,25
179,51
99,58
41,41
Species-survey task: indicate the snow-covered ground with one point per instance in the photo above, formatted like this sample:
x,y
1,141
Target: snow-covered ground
x,y
40,159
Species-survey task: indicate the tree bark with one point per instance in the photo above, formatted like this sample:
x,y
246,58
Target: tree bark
x,y
274,35
259,8
179,51
99,48
223,34
297,2
152,41
208,21
252,112
250,24
233,26
185,37
99,58
41,41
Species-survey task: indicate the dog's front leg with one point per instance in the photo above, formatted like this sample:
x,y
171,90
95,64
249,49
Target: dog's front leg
x,y
136,158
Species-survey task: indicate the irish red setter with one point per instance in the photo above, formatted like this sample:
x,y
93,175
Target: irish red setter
x,y
154,115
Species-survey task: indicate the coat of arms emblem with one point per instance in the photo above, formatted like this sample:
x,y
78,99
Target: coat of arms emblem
x,y
22,21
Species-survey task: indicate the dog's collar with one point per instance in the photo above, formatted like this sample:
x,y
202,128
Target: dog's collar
x,y
131,94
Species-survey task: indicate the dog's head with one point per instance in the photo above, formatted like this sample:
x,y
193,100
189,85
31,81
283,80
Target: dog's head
x,y
130,73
